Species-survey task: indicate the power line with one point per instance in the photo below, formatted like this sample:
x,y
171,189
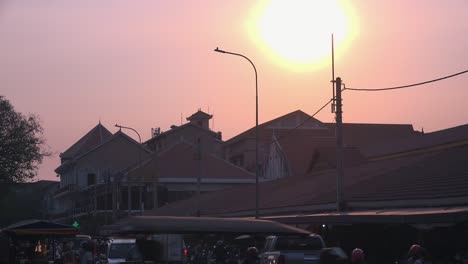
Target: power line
x,y
405,86
305,121
284,135
302,123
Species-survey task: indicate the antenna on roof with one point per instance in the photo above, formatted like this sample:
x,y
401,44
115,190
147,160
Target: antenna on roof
x,y
333,74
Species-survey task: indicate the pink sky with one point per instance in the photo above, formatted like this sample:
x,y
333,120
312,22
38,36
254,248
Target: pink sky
x,y
144,63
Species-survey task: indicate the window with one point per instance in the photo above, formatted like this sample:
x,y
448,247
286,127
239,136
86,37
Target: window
x,y
298,243
238,160
91,179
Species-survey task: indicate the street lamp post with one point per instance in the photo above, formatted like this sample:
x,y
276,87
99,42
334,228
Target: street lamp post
x,y
129,194
256,127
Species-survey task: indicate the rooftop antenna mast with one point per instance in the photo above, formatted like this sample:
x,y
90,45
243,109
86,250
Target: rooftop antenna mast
x,y
333,75
337,109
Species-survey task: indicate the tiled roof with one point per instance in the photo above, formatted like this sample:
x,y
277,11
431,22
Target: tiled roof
x,y
314,147
354,134
418,141
424,177
307,151
180,161
441,174
199,115
177,128
83,153
264,126
359,135
93,138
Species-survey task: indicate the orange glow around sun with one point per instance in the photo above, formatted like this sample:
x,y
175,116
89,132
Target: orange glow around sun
x,y
297,33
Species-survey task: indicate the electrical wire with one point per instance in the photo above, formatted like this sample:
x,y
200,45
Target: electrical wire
x,y
405,86
284,135
302,123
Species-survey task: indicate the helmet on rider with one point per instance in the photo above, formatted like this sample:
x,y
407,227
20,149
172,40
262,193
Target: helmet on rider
x,y
357,256
415,251
252,252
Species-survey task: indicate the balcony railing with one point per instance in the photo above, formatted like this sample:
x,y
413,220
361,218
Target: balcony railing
x,y
65,189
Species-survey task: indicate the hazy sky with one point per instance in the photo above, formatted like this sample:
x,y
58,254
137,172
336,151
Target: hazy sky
x,y
145,63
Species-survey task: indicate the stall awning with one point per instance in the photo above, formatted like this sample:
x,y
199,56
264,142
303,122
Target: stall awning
x,y
39,228
391,216
190,225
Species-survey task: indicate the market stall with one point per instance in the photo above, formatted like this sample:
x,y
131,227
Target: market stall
x,y
35,240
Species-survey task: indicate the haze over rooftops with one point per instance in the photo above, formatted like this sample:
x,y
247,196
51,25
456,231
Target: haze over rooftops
x,y
93,138
199,115
435,178
167,164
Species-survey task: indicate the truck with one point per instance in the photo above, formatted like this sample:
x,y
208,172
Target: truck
x,y
172,248
292,249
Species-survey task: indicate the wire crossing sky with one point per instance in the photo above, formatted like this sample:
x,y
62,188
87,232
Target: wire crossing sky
x,y
405,86
146,63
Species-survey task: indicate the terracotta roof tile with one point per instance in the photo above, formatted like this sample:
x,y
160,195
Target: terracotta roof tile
x,y
431,175
418,141
180,161
359,135
93,138
199,115
85,151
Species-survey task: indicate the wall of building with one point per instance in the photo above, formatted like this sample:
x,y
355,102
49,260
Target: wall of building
x,y
190,134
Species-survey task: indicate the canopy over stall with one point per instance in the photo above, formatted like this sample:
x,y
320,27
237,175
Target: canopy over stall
x,y
199,225
39,228
42,233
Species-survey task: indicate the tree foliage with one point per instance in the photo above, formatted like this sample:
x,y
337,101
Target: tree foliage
x,y
22,146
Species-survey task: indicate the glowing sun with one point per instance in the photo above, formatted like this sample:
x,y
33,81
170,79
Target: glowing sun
x,y
299,31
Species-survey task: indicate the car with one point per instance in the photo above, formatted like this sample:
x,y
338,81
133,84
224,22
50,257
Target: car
x,y
121,249
292,249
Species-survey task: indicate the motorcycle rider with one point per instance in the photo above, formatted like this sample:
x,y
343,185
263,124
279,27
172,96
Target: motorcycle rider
x,y
251,256
357,256
86,254
415,254
220,252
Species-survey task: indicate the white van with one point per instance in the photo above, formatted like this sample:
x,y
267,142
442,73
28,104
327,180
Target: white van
x,y
120,249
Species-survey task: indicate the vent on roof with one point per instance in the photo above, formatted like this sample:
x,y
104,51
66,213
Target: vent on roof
x,y
155,131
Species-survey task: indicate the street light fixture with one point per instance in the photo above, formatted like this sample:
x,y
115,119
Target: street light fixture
x,y
119,126
256,127
129,195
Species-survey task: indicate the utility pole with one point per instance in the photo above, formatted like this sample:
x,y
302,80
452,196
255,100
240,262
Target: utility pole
x,y
155,184
129,196
106,180
339,146
199,158
129,181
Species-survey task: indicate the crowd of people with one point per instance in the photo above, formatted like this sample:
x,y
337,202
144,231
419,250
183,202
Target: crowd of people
x,y
221,253
416,255
66,251
87,251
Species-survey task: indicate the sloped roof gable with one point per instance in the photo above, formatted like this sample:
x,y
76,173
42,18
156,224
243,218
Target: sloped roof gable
x,y
93,138
180,161
288,121
107,140
200,115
